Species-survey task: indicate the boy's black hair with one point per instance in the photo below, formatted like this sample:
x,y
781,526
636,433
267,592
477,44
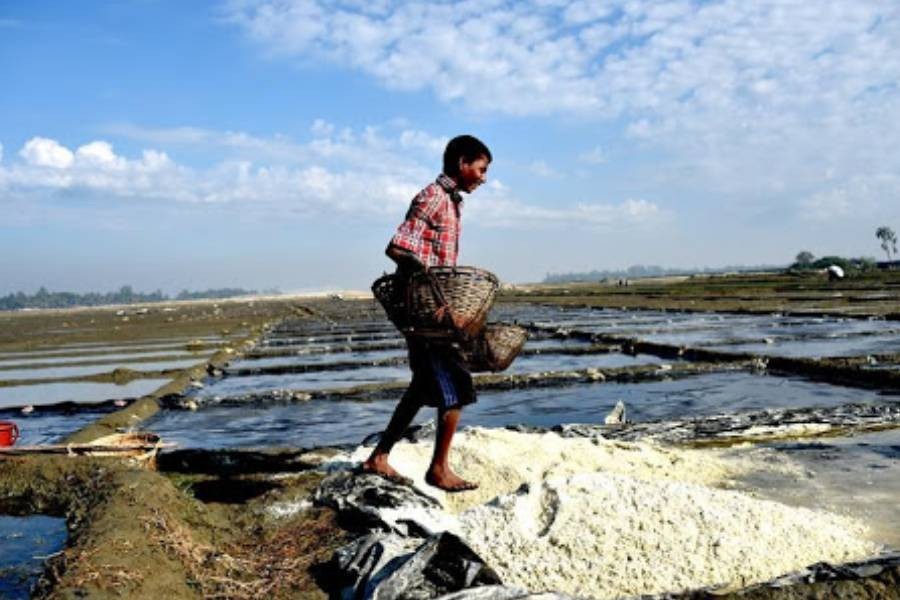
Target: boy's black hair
x,y
467,147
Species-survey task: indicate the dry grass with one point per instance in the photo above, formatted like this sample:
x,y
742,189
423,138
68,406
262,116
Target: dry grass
x,y
263,566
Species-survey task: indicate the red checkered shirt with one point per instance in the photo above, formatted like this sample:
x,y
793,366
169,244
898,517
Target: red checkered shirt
x,y
432,225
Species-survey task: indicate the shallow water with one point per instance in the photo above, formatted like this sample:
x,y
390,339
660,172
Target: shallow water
x,y
44,426
856,476
25,542
844,346
52,393
88,347
316,380
702,395
102,358
551,343
326,341
763,334
306,424
315,359
328,421
532,363
54,372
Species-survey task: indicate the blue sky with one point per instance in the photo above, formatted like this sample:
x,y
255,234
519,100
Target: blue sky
x,y
262,143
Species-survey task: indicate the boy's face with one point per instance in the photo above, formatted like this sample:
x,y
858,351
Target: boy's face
x,y
472,174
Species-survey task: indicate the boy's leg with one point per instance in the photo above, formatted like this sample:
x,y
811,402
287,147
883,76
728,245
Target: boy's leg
x,y
403,415
439,473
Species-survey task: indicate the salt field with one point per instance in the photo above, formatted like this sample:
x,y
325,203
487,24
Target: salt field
x,y
330,381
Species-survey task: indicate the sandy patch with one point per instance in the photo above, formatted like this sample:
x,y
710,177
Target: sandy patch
x,y
592,517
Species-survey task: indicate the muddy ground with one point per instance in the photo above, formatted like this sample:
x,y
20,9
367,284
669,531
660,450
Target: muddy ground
x,y
202,524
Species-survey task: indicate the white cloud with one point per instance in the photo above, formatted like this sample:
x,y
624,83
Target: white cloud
x,y
542,169
859,198
754,99
623,56
321,128
360,173
99,154
496,206
594,156
43,152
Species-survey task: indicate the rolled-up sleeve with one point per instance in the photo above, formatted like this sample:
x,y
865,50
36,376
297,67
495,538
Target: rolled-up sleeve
x,y
415,232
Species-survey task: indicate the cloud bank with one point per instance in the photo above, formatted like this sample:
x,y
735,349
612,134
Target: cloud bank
x,y
366,174
772,102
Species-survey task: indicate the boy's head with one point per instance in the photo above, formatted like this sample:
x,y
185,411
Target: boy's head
x,y
466,160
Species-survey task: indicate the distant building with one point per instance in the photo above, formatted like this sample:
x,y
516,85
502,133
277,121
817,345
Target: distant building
x,y
889,265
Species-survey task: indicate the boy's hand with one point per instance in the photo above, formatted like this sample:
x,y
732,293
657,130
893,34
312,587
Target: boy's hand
x,y
445,315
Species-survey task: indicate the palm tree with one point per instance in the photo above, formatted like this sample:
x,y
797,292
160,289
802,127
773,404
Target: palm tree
x,y
888,240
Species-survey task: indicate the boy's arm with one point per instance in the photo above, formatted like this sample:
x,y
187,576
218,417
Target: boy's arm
x,y
406,260
407,264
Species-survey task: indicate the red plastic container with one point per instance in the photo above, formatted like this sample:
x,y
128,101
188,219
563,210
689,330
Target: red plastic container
x,y
9,433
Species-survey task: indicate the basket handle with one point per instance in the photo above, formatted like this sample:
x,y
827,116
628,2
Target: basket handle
x,y
443,312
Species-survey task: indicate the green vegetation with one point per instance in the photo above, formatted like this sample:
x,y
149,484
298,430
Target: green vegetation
x,y
125,295
805,261
641,271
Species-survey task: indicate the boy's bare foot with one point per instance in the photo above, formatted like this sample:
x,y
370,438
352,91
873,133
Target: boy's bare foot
x,y
378,465
448,481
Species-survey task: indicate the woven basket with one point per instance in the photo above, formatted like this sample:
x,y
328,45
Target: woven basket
x,y
444,302
466,292
391,294
495,349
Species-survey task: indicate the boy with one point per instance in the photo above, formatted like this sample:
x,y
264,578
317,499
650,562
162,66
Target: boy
x,y
429,237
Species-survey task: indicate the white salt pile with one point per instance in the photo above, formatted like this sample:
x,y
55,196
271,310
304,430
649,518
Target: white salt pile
x,y
607,536
606,519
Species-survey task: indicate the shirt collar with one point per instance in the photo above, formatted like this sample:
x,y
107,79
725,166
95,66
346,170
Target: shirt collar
x,y
449,186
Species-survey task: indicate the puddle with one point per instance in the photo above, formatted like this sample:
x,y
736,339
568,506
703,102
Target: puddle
x,y
53,372
52,426
25,543
857,476
53,393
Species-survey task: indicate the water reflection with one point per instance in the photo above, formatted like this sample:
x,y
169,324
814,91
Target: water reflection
x,y
25,542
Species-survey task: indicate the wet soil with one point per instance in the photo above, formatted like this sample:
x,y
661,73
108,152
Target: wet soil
x,y
144,534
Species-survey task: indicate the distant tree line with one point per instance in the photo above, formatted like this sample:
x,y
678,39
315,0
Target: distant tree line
x,y
638,271
125,295
806,261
